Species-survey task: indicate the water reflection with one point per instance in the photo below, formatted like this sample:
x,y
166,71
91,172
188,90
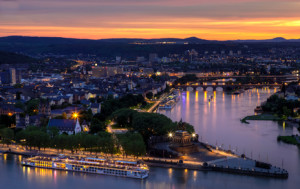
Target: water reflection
x,y
219,121
216,123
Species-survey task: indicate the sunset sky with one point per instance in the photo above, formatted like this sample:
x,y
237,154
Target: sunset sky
x,y
98,19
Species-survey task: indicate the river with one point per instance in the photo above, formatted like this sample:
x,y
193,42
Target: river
x,y
217,122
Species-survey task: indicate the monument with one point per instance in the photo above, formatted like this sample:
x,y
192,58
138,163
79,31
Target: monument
x,y
182,140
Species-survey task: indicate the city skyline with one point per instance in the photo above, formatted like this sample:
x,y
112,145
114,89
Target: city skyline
x,y
211,20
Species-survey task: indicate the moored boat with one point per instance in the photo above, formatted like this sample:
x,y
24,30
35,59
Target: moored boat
x,y
131,169
258,109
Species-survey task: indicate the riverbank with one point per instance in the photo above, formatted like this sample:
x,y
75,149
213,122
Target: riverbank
x,y
261,117
294,139
245,166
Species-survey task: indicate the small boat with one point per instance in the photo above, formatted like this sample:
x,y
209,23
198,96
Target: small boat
x,y
258,109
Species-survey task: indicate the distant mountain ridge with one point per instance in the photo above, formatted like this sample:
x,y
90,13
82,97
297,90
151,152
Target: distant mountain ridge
x,y
274,40
193,40
126,47
13,58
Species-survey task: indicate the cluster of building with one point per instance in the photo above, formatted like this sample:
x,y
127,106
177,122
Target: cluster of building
x,y
74,85
65,93
243,58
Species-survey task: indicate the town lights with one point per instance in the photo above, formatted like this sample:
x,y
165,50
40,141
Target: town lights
x,y
75,115
170,135
193,135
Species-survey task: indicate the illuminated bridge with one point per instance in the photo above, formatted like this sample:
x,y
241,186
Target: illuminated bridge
x,y
224,87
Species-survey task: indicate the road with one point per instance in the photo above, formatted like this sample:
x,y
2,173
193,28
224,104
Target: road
x,y
163,96
116,131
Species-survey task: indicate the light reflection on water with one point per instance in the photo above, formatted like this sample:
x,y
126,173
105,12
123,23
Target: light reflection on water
x,y
217,122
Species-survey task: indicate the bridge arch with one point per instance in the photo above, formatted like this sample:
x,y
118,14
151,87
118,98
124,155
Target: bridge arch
x,y
219,88
190,88
199,88
210,88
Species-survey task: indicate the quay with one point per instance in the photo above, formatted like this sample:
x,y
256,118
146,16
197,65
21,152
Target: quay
x,y
224,161
247,166
242,166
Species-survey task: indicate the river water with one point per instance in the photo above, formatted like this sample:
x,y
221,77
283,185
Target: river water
x,y
217,122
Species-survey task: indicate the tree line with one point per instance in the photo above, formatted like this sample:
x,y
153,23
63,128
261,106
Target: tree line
x,y
130,143
281,106
147,124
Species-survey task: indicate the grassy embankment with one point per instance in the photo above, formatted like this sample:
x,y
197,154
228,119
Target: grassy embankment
x,y
288,139
262,117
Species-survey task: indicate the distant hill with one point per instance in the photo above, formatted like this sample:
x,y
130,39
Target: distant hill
x,y
40,40
104,47
193,40
126,46
274,40
59,40
17,40
13,58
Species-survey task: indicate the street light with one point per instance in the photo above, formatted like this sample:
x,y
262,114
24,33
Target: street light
x,y
170,135
75,115
193,135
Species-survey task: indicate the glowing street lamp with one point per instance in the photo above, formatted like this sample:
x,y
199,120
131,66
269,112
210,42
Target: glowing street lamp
x,y
170,135
193,135
75,115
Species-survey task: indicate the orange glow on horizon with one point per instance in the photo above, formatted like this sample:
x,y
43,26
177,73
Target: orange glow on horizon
x,y
178,28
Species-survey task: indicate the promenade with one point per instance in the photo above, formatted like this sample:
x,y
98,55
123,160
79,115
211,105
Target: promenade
x,y
223,161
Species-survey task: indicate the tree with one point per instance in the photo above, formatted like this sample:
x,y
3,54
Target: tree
x,y
132,144
149,95
60,142
148,124
53,131
287,112
105,143
64,115
32,106
123,117
97,126
184,126
86,115
7,135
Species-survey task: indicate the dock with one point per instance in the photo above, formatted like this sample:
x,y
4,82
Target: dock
x,y
247,166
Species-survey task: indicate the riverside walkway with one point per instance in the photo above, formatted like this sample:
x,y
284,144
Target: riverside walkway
x,y
230,164
246,166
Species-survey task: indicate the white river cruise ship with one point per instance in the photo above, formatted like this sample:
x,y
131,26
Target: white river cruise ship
x,y
131,169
